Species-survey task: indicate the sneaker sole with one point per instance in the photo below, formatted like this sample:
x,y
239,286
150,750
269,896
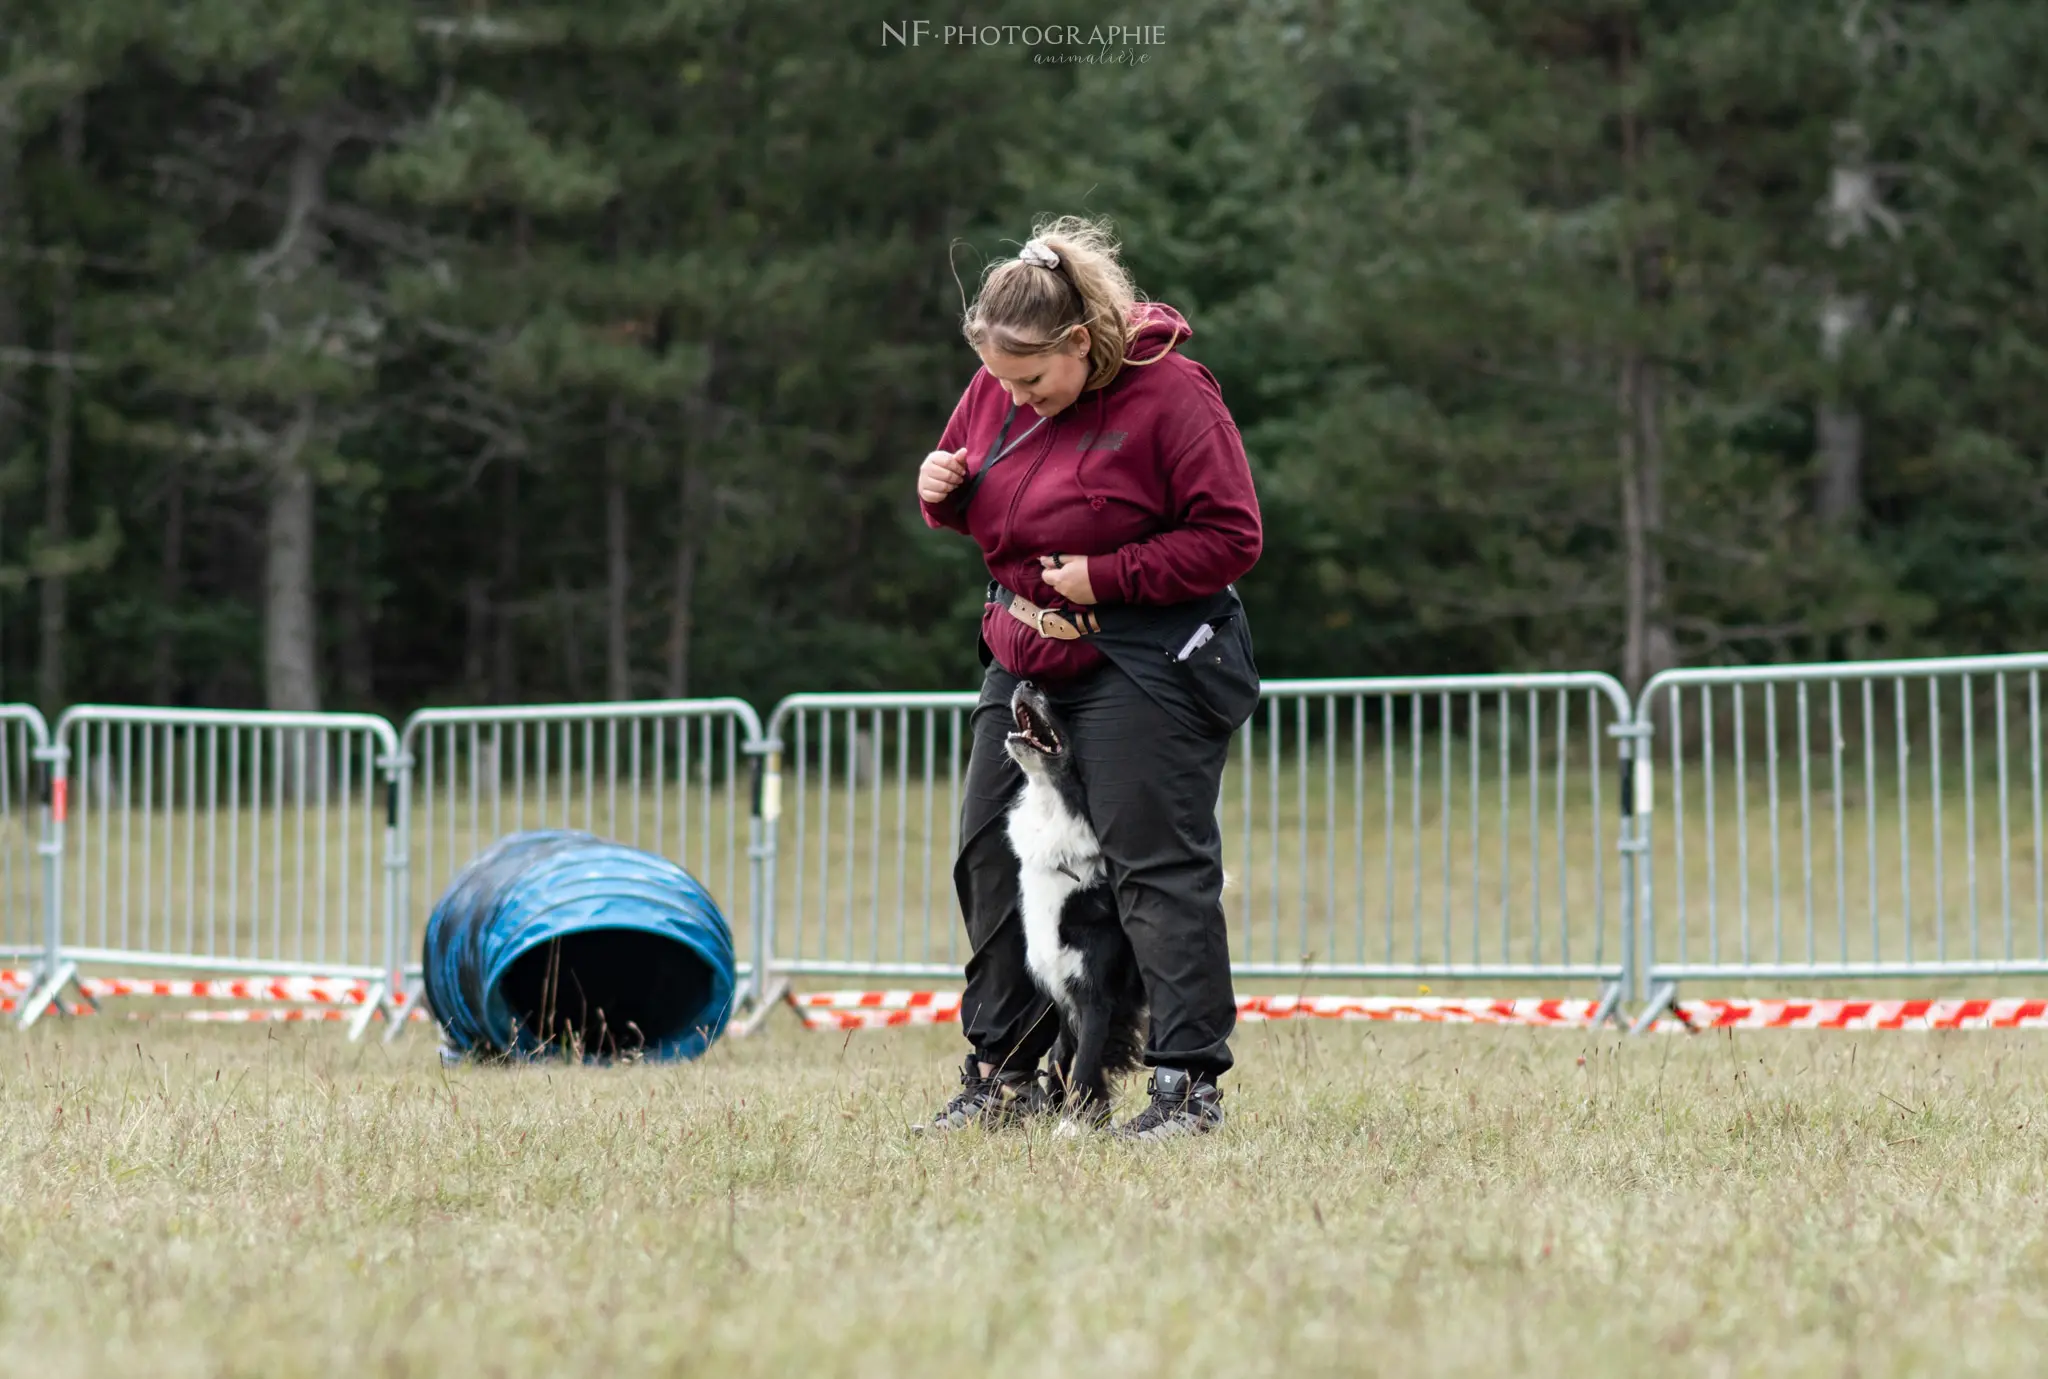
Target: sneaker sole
x,y
1173,1130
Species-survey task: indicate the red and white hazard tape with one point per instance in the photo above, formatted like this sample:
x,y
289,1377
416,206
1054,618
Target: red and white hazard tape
x,y
327,999
1435,1010
9,1005
312,990
237,1015
875,1009
273,1015
1985,1013
887,1009
846,1010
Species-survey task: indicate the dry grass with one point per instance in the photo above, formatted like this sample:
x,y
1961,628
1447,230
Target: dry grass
x,y
1383,1201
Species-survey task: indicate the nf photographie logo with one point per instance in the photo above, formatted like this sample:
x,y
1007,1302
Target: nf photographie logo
x,y
915,33
1108,45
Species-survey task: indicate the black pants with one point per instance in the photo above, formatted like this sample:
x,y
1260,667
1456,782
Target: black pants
x,y
1151,786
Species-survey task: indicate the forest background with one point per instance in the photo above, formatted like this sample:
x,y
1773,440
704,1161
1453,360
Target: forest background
x,y
368,354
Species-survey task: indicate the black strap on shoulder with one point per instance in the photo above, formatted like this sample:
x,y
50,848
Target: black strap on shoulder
x,y
993,458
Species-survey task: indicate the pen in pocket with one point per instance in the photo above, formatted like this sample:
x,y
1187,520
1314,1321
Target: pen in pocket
x,y
1196,642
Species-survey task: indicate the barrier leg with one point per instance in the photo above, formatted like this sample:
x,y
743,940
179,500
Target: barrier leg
x,y
384,997
765,992
775,998
359,1022
397,1013
1609,1007
1663,997
54,972
49,986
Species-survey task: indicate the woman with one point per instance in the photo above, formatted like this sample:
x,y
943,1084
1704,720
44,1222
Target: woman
x,y
1103,479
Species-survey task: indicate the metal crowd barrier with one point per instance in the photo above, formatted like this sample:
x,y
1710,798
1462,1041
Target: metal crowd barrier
x,y
862,821
1867,820
221,842
1439,828
675,777
24,827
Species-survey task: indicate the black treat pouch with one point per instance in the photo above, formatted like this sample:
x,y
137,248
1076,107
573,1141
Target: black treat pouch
x,y
1215,665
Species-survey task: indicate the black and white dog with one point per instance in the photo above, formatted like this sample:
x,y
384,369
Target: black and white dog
x,y
1074,943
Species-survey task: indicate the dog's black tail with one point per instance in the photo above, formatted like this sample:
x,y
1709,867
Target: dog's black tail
x,y
1124,1050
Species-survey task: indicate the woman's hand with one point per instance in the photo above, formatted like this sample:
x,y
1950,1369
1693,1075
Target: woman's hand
x,y
1068,576
940,474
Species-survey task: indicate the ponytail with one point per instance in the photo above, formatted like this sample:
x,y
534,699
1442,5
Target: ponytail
x,y
1067,275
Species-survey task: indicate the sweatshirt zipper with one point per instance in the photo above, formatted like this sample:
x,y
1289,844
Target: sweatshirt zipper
x,y
1010,514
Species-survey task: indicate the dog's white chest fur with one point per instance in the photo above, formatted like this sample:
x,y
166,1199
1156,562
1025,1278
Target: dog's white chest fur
x,y
1057,855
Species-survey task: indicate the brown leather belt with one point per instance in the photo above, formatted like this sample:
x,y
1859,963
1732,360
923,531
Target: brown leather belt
x,y
1064,625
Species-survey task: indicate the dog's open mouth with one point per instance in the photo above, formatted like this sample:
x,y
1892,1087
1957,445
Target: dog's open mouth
x,y
1035,733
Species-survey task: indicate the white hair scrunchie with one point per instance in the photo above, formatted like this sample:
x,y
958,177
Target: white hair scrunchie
x,y
1035,251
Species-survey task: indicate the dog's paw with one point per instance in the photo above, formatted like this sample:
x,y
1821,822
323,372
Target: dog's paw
x,y
1069,1129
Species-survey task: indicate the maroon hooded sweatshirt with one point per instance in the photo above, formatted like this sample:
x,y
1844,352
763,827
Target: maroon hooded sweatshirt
x,y
1147,477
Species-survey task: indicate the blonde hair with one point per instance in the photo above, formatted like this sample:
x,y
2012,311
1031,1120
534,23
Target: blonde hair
x,y
1026,308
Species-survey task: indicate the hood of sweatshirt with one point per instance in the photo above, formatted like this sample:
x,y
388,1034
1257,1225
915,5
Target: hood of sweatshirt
x,y
1159,328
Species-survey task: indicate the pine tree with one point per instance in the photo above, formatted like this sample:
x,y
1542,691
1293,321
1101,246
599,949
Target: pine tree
x,y
266,328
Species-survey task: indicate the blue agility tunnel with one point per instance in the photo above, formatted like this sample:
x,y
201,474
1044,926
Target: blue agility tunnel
x,y
562,942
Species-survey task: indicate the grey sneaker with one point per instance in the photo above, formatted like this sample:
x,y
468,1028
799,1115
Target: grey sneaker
x,y
1182,1104
994,1103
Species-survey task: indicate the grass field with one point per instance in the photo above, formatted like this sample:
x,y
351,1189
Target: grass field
x,y
1383,1202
